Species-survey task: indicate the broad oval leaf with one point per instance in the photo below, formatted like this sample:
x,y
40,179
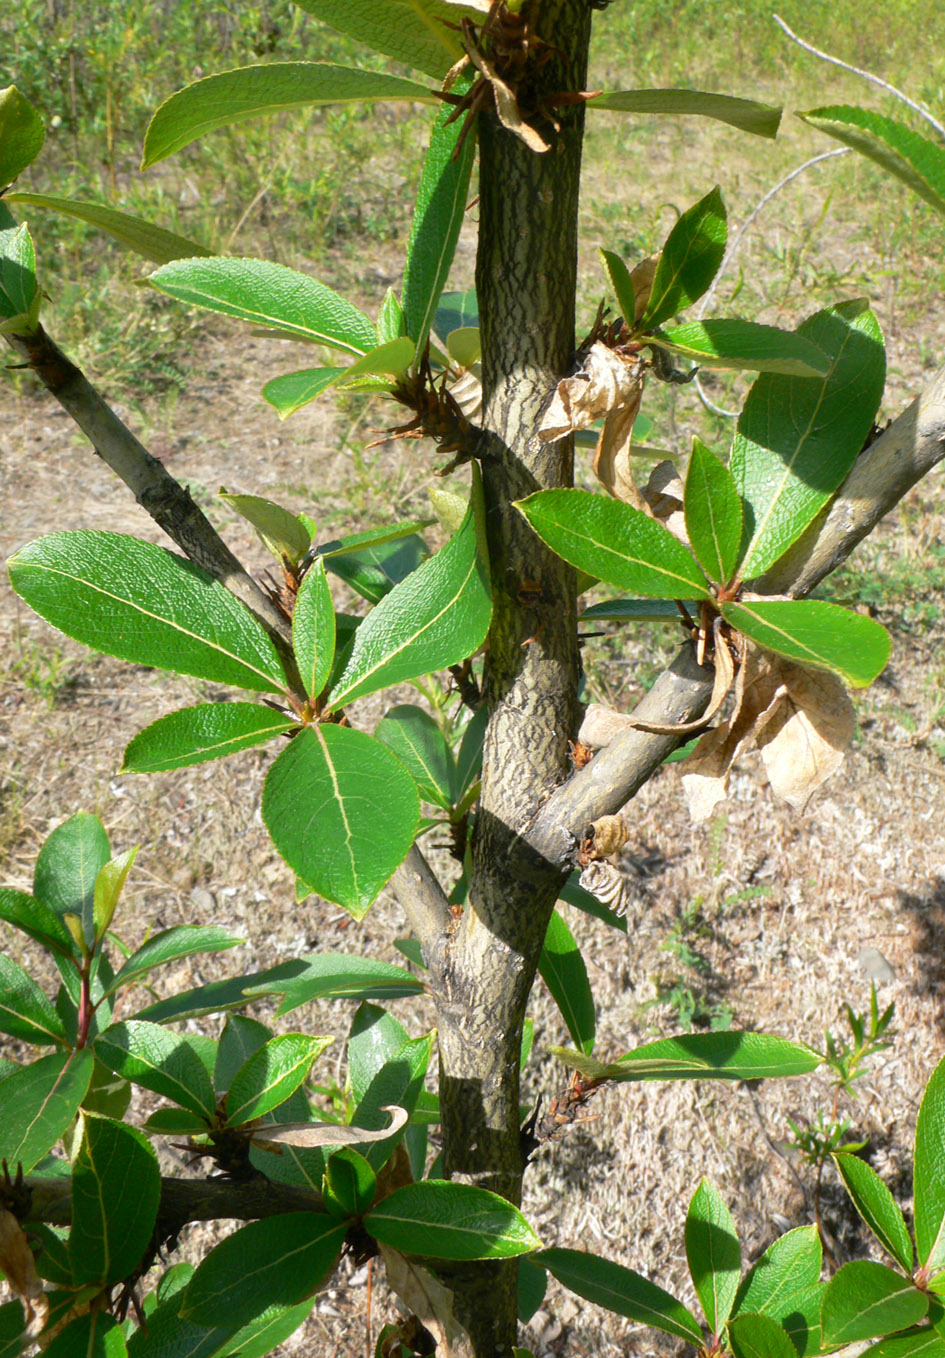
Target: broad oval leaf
x,y
713,513
12,1329
815,633
865,1300
930,1173
747,115
116,1191
878,1208
68,867
153,242
19,290
281,532
274,1262
416,32
342,811
256,91
313,630
713,1254
918,1343
621,1290
423,750
446,1220
241,1037
398,1083
564,973
26,1012
746,346
787,1269
614,542
758,1336
689,260
39,1103
144,604
196,735
269,294
375,1037
703,1056
436,617
350,1183
182,940
171,1064
21,134
797,437
271,1075
918,162
291,391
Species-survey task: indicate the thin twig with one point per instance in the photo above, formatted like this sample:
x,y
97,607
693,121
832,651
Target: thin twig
x,y
423,901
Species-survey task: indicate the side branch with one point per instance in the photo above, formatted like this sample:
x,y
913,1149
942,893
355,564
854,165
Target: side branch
x,y
423,901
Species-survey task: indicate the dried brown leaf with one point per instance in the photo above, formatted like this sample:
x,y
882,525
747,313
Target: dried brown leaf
x,y
424,1297
506,104
325,1133
805,741
724,674
466,391
642,279
663,497
19,1266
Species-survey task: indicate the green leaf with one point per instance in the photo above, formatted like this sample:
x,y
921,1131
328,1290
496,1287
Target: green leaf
x,y
713,513
620,1290
39,1103
469,755
918,162
703,1056
313,630
266,1334
713,1254
745,114
744,345
108,888
342,811
797,437
175,1122
436,617
182,940
815,633
19,291
637,610
532,1286
332,976
281,533
274,1262
25,1010
269,294
37,920
398,1081
457,311
418,33
876,1205
864,1300
116,1191
291,391
788,1267
437,218
919,1343
68,867
21,134
350,1183
12,1328
358,543
375,1038
144,604
241,1037
95,1335
257,91
166,1063
689,260
930,1174
447,1220
167,1336
618,275
153,242
614,542
564,973
196,735
423,750
757,1336
374,570
271,1075
391,323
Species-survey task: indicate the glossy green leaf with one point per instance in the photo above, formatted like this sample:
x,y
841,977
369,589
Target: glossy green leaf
x,y
19,290
167,1336
815,633
436,617
271,1074
21,134
108,888
423,750
620,1290
564,973
391,323
313,630
175,1122
350,1183
930,1173
469,754
356,543
618,275
713,1254
37,920
457,311
637,610
865,1300
26,1012
267,1333
39,1103
917,1343
447,1220
418,33
336,976
713,513
397,1082
153,242
372,571
757,1336
281,532
918,162
438,215
374,1039
183,940
389,360
274,1262
797,437
878,1208
342,811
197,735
12,1327
144,604
703,1056
745,114
257,91
96,1335
688,262
68,867
116,1191
788,1267
167,1063
269,294
745,346
291,391
241,1037
614,542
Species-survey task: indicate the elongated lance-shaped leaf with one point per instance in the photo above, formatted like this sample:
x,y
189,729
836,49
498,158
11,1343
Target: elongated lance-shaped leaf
x,y
373,571
688,262
313,630
332,975
37,920
437,218
350,1184
39,1103
702,1056
12,1329
108,888
26,1012
787,1269
183,940
136,233
930,1173
713,1254
375,1037
377,370
745,346
144,604
450,1221
116,1190
918,162
371,537
68,867
241,1037
865,1300
271,1075
797,437
877,1206
257,91
436,617
399,1084
342,810
620,1290
564,973
614,542
745,114
391,323
816,633
759,1337
19,291
171,1064
21,134
291,391
314,1134
618,276
269,294
423,750
195,735
419,33
96,1335
713,513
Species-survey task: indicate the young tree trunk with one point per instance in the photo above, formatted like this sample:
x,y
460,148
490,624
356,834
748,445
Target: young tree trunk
x,y
525,278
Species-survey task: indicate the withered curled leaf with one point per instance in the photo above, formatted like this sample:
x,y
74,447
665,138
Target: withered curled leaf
x,y
424,1297
19,1266
310,1134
